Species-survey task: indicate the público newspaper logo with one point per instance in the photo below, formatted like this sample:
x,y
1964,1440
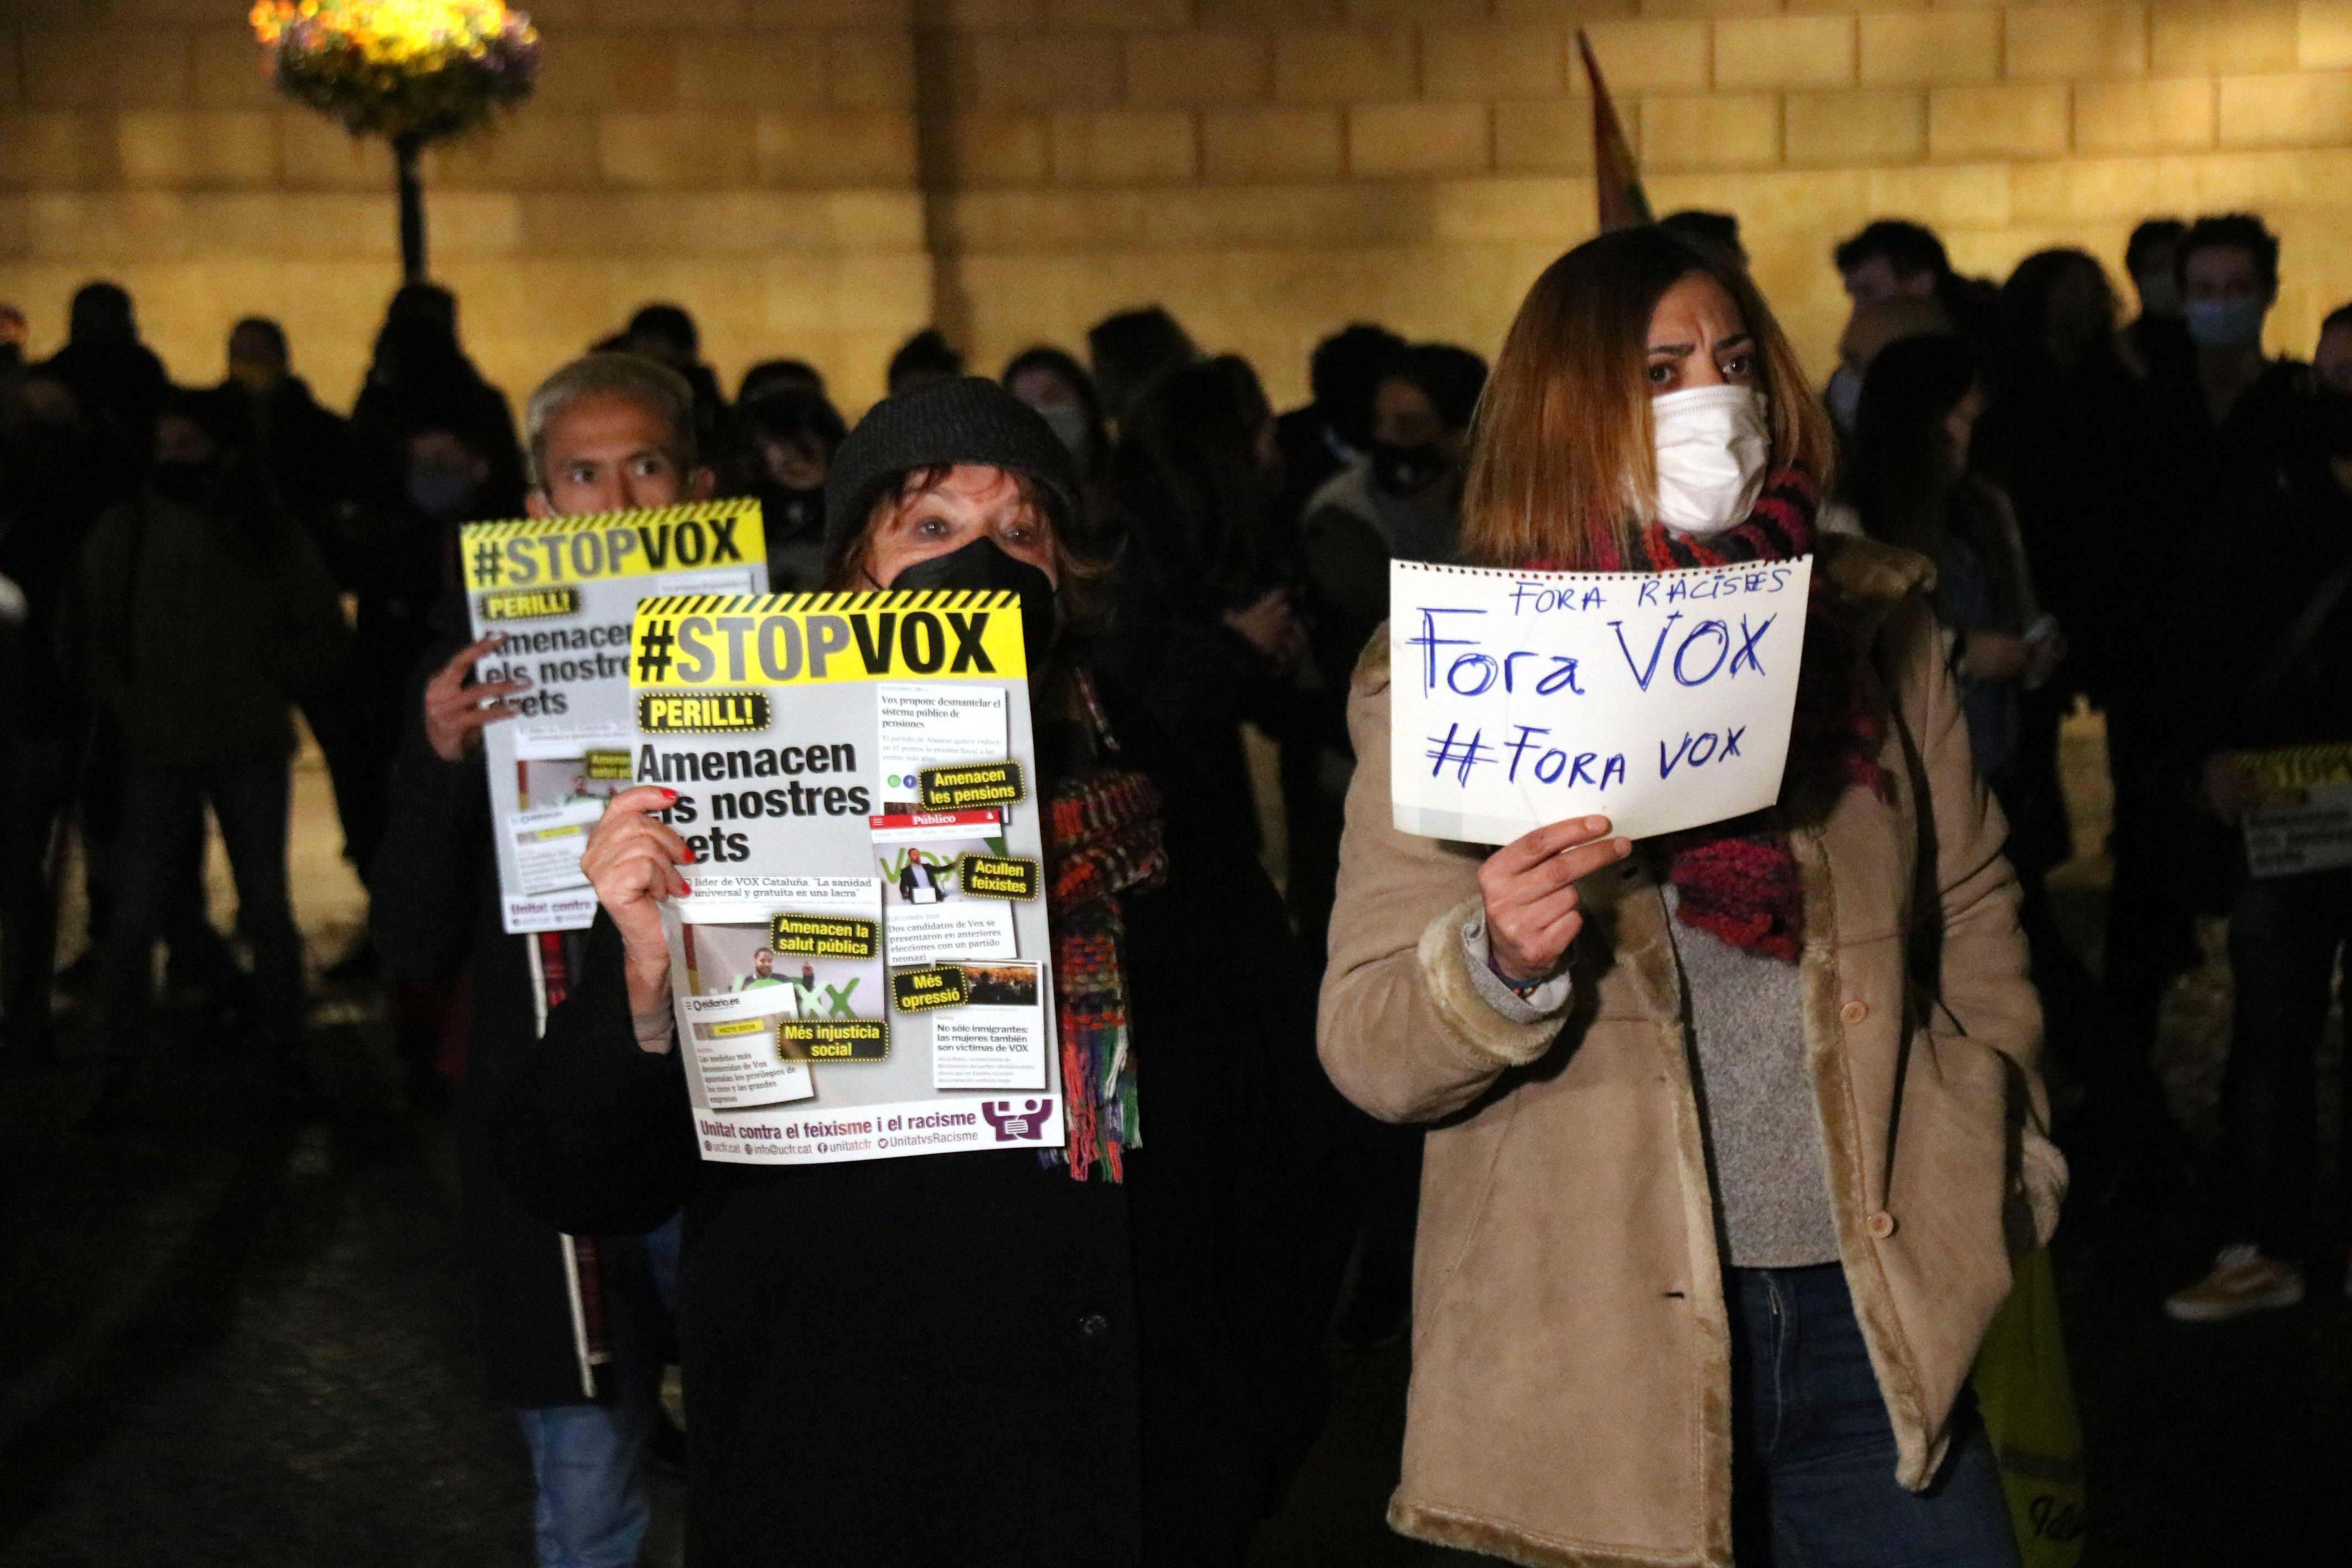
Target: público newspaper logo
x,y
788,639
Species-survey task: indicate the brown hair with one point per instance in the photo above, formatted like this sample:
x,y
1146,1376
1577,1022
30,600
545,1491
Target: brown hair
x,y
1561,467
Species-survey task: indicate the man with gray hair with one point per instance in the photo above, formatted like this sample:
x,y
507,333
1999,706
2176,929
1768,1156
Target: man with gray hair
x,y
612,432
572,1327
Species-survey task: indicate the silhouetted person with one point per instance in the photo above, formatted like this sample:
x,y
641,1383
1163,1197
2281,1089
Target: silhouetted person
x,y
420,376
120,383
667,334
1065,395
1335,428
59,473
785,439
1709,228
772,374
1128,351
2157,341
201,612
922,359
1200,624
1893,257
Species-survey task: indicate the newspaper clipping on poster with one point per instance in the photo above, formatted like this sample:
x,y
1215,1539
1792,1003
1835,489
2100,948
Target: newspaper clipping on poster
x,y
2301,818
1660,700
564,590
860,969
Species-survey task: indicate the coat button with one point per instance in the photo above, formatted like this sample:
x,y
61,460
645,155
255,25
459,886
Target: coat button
x,y
1094,1325
1880,1225
1854,1012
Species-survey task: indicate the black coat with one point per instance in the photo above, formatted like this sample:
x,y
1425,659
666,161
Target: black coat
x,y
2279,532
434,912
971,1357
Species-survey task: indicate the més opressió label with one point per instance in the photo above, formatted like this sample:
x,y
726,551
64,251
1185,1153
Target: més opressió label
x,y
915,990
984,784
821,936
997,877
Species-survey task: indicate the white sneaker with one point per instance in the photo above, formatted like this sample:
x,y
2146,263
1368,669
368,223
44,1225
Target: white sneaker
x,y
2242,1281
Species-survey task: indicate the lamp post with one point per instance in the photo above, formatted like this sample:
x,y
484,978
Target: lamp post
x,y
411,71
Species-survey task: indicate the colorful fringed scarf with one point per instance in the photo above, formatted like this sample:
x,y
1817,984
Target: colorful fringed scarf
x,y
1738,880
1103,839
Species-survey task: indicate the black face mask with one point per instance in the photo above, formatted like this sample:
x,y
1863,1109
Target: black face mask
x,y
983,565
1403,471
189,484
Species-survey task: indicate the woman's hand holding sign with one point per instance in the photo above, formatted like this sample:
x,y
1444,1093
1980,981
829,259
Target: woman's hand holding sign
x,y
1530,887
455,711
632,861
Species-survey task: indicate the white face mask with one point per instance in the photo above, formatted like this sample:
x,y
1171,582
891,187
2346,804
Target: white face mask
x,y
1712,446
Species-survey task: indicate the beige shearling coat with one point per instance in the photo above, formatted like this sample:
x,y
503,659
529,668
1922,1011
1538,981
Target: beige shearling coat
x,y
1571,1384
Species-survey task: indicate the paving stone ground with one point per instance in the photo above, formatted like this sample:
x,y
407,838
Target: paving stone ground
x,y
232,1336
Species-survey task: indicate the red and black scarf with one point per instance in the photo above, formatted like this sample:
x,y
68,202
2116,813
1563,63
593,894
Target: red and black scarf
x,y
1738,880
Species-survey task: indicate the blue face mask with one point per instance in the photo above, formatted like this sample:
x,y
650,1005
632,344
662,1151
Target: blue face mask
x,y
1843,396
2226,323
439,491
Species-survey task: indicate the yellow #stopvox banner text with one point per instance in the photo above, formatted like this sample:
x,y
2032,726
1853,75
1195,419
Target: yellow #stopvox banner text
x,y
2281,778
545,551
688,642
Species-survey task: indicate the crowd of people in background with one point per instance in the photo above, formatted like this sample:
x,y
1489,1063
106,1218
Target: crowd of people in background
x,y
2142,511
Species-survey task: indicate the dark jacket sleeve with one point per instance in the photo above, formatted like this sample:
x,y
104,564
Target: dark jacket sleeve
x,y
425,886
592,1132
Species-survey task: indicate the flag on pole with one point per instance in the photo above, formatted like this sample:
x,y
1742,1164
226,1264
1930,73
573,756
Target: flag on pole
x,y
1622,203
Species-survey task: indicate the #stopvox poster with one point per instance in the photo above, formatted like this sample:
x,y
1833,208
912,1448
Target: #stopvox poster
x,y
860,969
1659,699
564,590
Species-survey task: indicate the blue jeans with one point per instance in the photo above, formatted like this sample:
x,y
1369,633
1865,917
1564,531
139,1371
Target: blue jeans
x,y
1813,1453
2283,936
588,1460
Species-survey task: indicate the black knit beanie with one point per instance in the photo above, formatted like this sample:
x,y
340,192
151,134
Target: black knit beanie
x,y
966,419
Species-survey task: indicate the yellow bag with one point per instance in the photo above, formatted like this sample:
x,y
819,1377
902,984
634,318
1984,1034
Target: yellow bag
x,y
2028,1401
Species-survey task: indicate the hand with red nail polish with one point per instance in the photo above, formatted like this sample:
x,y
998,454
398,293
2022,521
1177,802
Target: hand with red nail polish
x,y
632,861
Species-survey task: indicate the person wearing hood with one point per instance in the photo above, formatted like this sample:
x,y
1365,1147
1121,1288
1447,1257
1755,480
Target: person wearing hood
x,y
1108,1356
203,613
1733,1132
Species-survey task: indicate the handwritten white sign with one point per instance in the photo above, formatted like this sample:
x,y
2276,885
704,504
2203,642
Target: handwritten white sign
x,y
1660,700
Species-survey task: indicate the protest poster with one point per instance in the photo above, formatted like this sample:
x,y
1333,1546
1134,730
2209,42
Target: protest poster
x,y
1660,700
563,589
2302,816
859,966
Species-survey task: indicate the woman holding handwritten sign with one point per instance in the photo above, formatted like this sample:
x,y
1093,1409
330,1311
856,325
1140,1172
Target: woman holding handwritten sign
x,y
1735,1130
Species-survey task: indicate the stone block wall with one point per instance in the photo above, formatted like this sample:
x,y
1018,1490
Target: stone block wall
x,y
819,177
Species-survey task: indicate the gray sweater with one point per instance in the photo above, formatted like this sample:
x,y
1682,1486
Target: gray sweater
x,y
1756,1102
1755,1096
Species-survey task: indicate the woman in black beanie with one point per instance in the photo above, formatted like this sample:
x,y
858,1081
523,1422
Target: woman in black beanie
x,y
1113,1359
